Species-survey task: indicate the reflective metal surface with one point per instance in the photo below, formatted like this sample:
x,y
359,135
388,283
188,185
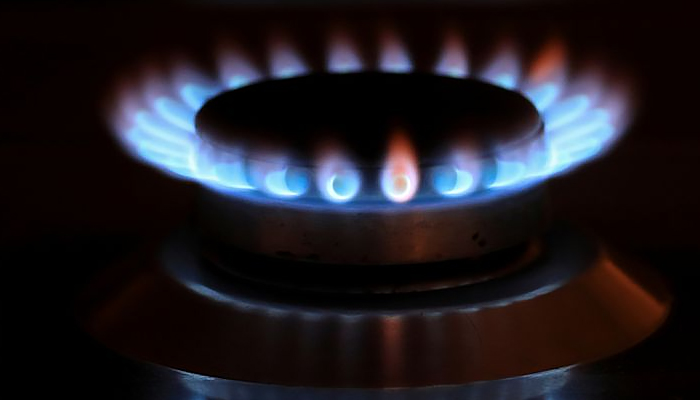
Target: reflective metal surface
x,y
520,388
364,279
574,304
393,235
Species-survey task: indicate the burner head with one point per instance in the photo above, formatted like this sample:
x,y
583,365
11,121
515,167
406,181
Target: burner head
x,y
369,137
359,114
371,160
379,236
292,124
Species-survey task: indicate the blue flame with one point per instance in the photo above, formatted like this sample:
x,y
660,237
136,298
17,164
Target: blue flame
x,y
173,157
452,181
565,112
453,60
578,145
507,81
196,95
398,64
336,178
503,70
508,173
143,139
543,95
343,57
238,81
287,182
232,174
286,63
342,187
161,130
236,71
159,154
451,70
578,127
394,57
175,113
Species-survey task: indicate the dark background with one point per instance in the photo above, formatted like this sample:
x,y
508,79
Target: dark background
x,y
71,201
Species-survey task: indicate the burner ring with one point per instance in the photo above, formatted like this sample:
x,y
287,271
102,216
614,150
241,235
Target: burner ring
x,y
583,117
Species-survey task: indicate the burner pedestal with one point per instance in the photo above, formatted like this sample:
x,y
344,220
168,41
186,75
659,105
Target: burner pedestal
x,y
223,334
407,234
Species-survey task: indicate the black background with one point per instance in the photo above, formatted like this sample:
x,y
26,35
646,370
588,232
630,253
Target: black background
x,y
71,201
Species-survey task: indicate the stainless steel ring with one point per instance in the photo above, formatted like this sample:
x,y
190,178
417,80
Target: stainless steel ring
x,y
405,234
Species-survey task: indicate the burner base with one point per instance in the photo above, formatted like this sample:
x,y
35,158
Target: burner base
x,y
572,304
410,234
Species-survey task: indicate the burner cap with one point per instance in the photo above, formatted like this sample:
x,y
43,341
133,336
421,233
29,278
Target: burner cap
x,y
359,112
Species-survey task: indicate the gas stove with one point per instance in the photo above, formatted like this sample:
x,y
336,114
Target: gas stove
x,y
372,232
372,219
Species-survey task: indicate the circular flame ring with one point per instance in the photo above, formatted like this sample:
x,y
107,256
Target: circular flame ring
x,y
155,122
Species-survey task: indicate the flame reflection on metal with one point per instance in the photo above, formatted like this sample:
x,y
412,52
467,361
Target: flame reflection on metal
x,y
455,346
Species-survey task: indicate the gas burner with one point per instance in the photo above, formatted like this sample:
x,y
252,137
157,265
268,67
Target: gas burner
x,y
373,233
363,117
438,136
363,114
